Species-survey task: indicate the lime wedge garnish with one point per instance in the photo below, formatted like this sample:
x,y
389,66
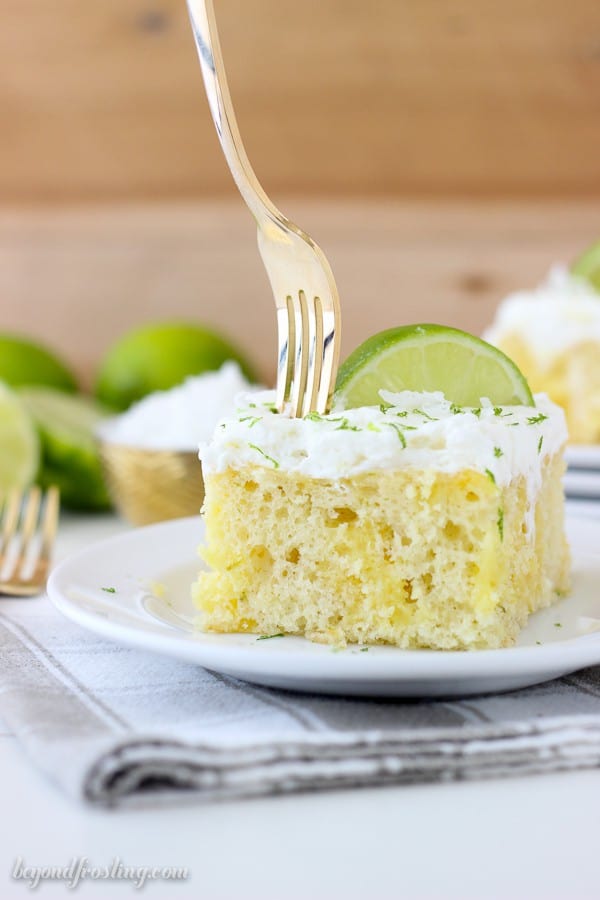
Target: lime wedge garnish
x,y
430,358
19,445
66,423
587,265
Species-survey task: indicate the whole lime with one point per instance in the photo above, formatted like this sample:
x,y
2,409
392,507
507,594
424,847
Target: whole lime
x,y
24,362
159,356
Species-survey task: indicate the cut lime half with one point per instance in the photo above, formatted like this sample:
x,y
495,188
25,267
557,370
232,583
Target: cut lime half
x,y
70,459
19,445
587,265
430,358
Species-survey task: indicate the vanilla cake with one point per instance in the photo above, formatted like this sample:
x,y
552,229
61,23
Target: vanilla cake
x,y
417,523
553,335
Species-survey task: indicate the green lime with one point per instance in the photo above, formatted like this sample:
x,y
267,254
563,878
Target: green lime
x,y
19,445
587,265
430,358
66,424
159,356
25,362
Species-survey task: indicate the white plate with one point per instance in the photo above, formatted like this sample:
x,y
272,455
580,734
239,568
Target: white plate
x,y
151,570
583,456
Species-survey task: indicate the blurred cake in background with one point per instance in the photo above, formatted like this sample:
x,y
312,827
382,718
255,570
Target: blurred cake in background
x,y
553,334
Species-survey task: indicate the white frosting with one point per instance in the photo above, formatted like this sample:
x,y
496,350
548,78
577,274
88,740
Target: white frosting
x,y
560,313
178,419
416,430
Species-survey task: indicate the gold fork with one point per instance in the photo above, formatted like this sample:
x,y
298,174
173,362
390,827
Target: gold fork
x,y
27,520
306,297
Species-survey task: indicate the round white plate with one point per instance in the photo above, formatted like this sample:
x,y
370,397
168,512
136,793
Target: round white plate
x,y
148,573
583,456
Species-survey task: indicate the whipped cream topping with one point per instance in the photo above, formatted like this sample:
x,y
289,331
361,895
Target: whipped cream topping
x,y
178,419
562,312
419,430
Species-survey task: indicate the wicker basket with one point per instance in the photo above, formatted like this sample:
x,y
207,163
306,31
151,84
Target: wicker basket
x,y
152,485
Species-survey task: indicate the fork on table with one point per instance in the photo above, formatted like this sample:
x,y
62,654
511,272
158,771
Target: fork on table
x,y
28,524
306,297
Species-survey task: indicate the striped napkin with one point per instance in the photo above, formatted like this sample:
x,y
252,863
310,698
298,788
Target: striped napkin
x,y
114,726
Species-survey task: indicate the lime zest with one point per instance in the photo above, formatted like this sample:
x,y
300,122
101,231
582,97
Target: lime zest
x,y
500,523
535,420
346,426
252,419
266,455
398,429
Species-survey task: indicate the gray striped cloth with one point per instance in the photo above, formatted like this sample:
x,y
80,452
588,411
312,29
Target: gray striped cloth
x,y
114,726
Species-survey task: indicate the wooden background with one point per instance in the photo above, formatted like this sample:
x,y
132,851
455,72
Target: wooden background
x,y
443,152
103,100
78,278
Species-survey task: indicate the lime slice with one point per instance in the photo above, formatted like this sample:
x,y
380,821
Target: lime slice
x,y
66,424
159,356
430,358
19,445
587,265
24,362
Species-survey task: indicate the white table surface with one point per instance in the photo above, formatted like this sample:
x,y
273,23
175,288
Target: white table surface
x,y
529,838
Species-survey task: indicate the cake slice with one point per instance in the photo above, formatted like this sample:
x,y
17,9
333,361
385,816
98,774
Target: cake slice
x,y
553,335
415,523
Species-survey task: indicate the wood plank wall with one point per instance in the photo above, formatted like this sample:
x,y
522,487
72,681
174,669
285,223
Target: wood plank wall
x,y
104,101
78,278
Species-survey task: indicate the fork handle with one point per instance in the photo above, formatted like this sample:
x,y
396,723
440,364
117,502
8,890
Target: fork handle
x,y
206,36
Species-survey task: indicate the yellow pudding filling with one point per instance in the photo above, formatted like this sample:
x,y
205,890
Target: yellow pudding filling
x,y
413,558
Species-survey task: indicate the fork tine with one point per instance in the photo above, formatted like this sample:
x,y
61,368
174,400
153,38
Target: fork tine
x,y
29,524
302,353
49,525
286,337
315,339
329,360
10,519
22,521
49,521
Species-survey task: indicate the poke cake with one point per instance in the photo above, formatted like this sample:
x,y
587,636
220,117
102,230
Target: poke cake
x,y
415,520
553,335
